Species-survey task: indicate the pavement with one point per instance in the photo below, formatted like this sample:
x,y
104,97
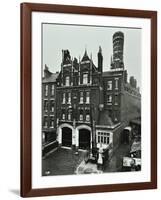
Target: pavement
x,y
61,162
87,168
67,162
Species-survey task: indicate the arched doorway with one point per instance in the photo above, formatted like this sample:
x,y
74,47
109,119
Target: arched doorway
x,y
84,138
125,135
66,137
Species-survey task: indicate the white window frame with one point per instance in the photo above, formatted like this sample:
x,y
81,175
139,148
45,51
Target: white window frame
x,y
103,137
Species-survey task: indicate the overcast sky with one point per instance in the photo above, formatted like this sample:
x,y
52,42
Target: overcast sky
x,y
76,38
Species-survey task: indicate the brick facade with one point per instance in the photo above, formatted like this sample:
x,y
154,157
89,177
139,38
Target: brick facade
x,y
90,105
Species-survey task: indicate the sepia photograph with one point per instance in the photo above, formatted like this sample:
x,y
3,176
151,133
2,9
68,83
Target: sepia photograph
x,y
91,99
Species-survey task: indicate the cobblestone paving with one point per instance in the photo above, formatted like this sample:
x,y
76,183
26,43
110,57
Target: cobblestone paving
x,y
65,161
61,162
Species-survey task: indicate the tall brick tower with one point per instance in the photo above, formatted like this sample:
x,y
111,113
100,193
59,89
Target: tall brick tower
x,y
117,61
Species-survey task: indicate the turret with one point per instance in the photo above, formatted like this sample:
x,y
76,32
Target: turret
x,y
118,46
100,60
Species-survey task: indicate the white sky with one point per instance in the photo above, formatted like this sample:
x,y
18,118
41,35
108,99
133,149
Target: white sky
x,y
76,38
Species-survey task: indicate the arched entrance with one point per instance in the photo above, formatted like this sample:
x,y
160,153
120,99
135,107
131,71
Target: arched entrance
x,y
84,138
66,137
125,135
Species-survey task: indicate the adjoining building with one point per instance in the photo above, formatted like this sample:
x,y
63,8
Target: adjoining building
x,y
49,138
93,107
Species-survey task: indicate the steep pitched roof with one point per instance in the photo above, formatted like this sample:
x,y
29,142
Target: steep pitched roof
x,y
104,118
85,57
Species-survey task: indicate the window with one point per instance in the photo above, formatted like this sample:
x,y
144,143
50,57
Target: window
x,y
109,99
52,122
64,98
52,89
45,105
52,106
45,122
63,114
87,115
116,116
81,115
69,116
67,80
87,97
103,137
46,90
69,97
116,83
116,99
81,97
98,138
85,78
109,85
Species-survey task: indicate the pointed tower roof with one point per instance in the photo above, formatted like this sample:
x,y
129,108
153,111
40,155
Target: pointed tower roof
x,y
85,57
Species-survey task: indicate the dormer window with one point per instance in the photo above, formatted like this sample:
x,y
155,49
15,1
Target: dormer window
x,y
67,80
85,78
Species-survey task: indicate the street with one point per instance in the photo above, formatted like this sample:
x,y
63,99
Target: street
x,y
65,161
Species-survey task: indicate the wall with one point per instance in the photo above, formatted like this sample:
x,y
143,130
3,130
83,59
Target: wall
x,y
10,102
129,104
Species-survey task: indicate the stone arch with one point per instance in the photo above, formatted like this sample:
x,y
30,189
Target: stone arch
x,y
86,136
60,132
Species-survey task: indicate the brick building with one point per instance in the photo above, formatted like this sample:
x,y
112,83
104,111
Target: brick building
x,y
93,107
49,141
